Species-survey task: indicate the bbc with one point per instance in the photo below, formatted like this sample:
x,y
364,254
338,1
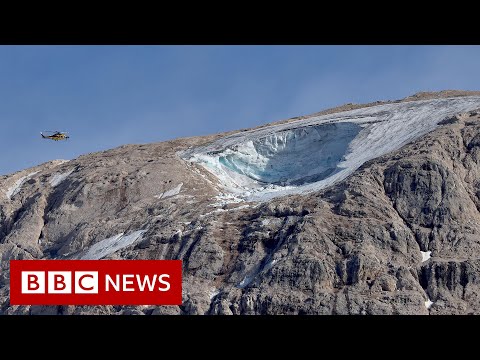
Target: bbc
x,y
59,282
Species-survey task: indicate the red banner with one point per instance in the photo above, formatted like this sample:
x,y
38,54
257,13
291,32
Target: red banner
x,y
95,282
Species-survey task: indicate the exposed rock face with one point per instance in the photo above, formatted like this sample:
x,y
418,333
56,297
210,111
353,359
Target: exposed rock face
x,y
355,247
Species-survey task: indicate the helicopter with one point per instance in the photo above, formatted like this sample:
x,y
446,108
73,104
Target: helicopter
x,y
55,135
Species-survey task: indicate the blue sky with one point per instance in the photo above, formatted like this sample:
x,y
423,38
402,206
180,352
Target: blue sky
x,y
107,96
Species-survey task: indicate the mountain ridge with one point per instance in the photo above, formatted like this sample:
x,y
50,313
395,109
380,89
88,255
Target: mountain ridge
x,y
355,247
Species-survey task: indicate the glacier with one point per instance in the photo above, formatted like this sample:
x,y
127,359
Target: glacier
x,y
316,151
310,154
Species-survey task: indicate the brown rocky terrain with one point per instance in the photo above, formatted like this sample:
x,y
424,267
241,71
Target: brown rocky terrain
x,y
360,246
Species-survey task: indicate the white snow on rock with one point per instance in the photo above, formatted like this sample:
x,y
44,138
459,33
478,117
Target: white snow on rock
x,y
425,255
270,265
239,208
17,186
171,192
112,244
58,178
60,161
245,282
428,303
310,154
224,199
212,293
212,212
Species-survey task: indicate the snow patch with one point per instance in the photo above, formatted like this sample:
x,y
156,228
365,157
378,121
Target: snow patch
x,y
17,186
428,303
245,282
225,199
68,207
213,292
425,255
310,154
270,265
239,208
212,212
58,178
112,244
171,192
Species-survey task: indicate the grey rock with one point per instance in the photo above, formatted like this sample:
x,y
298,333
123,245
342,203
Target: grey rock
x,y
352,248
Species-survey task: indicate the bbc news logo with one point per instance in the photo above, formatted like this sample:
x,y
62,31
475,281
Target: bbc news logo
x,y
59,282
95,282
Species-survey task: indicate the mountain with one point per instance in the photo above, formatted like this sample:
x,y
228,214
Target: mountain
x,y
361,209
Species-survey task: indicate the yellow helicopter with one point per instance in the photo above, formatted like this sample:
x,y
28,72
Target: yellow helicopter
x,y
55,135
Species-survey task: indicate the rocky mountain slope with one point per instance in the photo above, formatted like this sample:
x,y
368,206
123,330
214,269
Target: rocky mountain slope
x,y
363,209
